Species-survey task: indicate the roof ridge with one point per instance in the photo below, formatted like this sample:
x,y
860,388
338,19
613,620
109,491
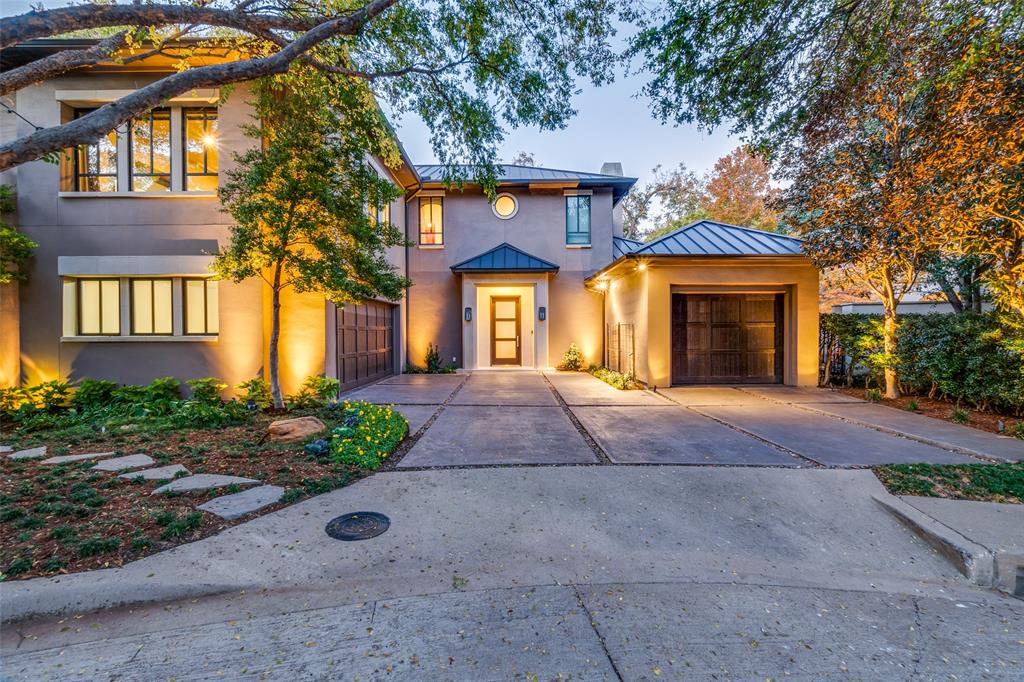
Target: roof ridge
x,y
518,165
695,223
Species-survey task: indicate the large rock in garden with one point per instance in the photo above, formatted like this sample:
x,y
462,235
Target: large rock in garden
x,y
293,430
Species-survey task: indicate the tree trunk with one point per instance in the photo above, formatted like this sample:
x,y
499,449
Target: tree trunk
x,y
892,389
275,335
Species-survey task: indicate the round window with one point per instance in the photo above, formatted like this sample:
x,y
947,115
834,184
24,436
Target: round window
x,y
505,206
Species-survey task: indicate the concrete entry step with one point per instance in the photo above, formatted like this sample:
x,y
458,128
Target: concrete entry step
x,y
198,482
157,473
127,462
64,459
238,505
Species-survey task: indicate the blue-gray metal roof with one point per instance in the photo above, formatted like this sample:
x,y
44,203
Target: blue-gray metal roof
x,y
510,174
710,238
505,258
623,245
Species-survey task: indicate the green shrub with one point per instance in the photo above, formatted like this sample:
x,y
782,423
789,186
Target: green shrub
x,y
960,416
51,395
873,395
433,359
97,545
316,391
163,389
572,361
206,415
623,382
207,390
129,395
93,394
18,566
258,391
912,406
368,434
178,527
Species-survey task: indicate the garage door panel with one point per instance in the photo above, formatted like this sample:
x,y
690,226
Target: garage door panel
x,y
365,343
727,338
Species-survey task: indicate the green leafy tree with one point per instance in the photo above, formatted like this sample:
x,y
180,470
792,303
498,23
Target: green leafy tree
x,y
300,201
15,248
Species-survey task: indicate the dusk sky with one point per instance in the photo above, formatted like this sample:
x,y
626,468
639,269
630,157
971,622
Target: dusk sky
x,y
613,124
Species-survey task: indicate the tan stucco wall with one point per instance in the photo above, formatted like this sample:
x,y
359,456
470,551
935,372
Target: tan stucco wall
x,y
798,280
10,336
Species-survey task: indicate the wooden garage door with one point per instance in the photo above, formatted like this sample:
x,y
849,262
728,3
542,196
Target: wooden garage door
x,y
365,343
726,339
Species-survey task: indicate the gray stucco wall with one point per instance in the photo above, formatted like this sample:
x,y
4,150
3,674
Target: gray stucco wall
x,y
93,226
538,228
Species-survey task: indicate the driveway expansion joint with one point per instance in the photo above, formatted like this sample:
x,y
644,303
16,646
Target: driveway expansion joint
x,y
594,446
407,444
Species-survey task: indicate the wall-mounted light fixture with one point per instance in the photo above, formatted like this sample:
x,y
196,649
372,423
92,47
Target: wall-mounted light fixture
x,y
641,267
468,315
542,313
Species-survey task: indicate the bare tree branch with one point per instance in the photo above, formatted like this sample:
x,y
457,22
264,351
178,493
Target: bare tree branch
x,y
47,23
97,123
59,63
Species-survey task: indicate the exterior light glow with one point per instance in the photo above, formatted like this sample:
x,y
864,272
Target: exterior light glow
x,y
641,267
601,286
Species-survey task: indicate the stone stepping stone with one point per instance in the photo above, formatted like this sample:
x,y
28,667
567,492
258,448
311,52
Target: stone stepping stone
x,y
64,459
31,453
156,473
237,505
202,482
122,463
4,449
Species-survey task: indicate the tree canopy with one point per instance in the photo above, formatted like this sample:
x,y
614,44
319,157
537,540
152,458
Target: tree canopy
x,y
467,68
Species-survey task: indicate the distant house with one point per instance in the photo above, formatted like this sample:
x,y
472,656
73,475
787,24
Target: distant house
x,y
120,286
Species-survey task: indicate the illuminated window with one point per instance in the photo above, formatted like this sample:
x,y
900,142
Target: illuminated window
x,y
99,307
200,149
431,221
151,151
577,219
380,214
152,306
505,206
202,309
96,164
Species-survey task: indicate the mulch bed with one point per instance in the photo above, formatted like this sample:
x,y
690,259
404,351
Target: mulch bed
x,y
66,518
942,409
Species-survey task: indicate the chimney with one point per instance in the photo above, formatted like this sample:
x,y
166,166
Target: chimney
x,y
611,168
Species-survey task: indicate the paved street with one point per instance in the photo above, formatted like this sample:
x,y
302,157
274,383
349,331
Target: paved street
x,y
591,566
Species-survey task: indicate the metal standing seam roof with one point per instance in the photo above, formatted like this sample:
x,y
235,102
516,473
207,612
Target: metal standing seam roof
x,y
512,174
710,238
623,245
505,258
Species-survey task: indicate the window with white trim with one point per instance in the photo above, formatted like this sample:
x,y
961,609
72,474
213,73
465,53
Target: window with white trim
x,y
167,149
146,306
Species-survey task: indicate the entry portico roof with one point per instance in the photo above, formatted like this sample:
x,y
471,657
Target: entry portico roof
x,y
505,258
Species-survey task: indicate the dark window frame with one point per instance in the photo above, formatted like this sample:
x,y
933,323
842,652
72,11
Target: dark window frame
x,y
440,203
185,111
152,305
78,306
206,307
131,152
79,174
577,231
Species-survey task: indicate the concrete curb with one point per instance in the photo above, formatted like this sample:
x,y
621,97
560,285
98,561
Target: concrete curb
x,y
976,562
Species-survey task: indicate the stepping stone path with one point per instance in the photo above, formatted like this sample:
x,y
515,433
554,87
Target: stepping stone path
x,y
157,473
202,482
4,449
122,463
64,459
31,453
238,505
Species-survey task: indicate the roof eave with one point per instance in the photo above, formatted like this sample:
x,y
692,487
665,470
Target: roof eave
x,y
689,256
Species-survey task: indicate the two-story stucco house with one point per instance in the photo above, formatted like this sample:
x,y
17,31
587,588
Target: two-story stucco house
x,y
120,286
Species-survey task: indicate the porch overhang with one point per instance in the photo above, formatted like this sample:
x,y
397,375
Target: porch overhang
x,y
504,258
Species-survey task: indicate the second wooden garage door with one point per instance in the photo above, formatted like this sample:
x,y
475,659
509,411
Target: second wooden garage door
x,y
725,339
365,343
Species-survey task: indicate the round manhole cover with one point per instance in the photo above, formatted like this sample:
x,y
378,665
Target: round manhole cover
x,y
358,526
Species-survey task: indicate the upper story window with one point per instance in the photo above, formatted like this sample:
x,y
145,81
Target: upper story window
x,y
431,221
96,164
577,220
505,206
169,149
201,149
379,214
151,152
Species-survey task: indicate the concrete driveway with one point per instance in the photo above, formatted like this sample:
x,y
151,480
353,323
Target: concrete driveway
x,y
557,418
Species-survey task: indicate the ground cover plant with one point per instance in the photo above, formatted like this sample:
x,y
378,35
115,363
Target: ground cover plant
x,y
67,517
987,482
623,382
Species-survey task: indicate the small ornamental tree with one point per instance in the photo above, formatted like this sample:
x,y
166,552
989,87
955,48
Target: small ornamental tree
x,y
15,248
300,201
